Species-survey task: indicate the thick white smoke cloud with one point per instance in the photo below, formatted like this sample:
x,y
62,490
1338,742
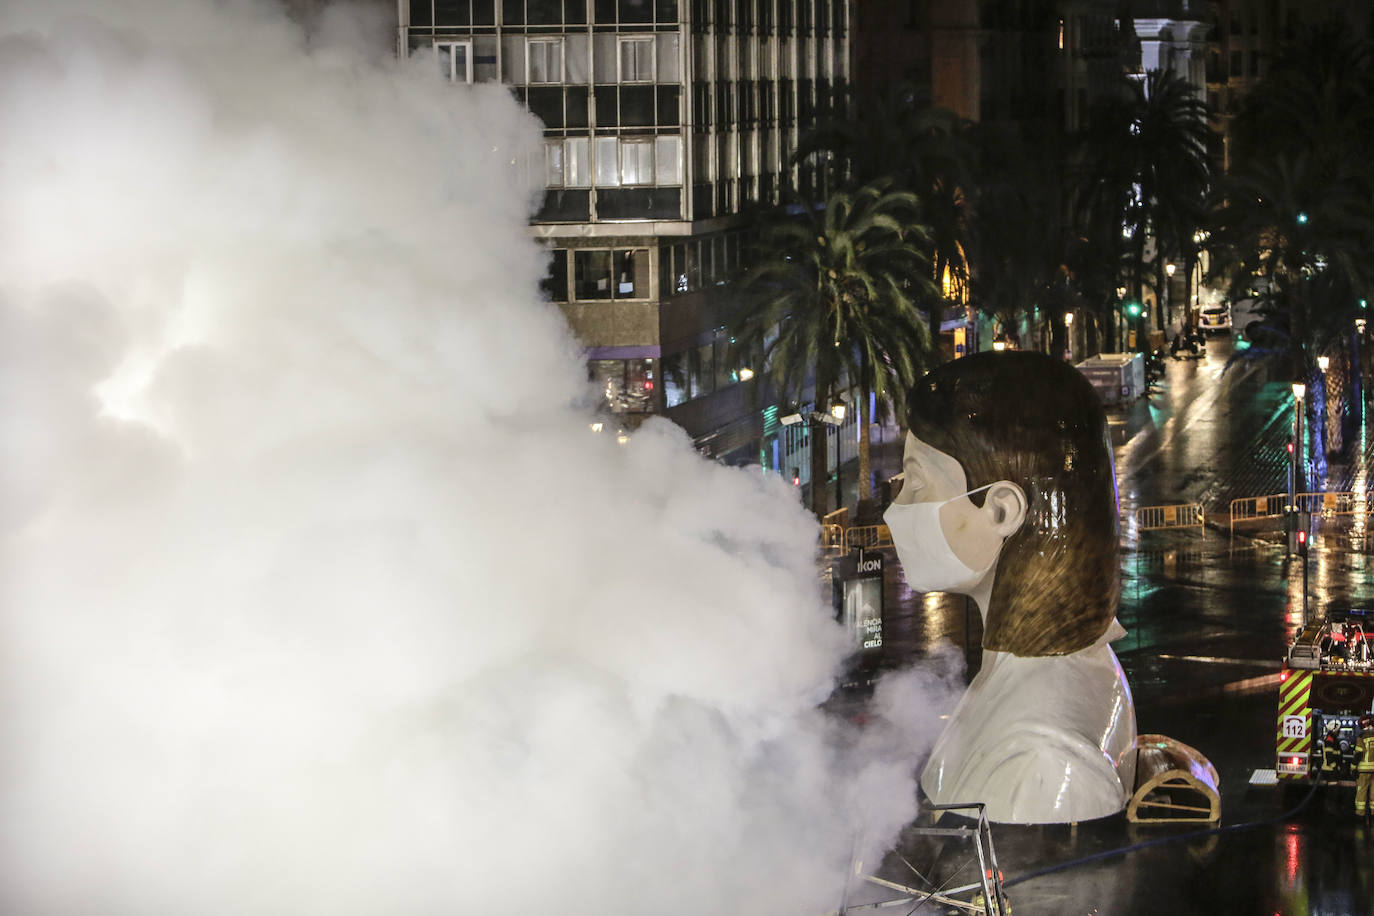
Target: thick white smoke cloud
x,y
319,596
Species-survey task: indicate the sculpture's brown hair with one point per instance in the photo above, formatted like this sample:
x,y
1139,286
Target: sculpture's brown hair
x,y
1037,422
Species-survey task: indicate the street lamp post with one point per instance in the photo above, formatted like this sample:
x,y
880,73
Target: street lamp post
x,y
1120,319
1068,335
1358,373
837,412
1169,269
1295,465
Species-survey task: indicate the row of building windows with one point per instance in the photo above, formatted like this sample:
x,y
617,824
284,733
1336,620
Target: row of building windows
x,y
819,17
568,107
575,60
807,17
468,13
566,60
623,273
598,273
613,162
630,385
706,368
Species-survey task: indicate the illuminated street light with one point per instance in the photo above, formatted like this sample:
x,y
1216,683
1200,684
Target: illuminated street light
x,y
1299,391
1068,319
1169,269
837,408
746,374
1323,363
1359,325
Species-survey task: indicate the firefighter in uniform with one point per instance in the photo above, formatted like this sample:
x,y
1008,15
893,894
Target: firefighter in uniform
x,y
1331,749
1364,753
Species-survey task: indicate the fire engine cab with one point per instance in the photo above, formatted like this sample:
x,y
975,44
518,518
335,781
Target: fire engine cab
x,y
1325,685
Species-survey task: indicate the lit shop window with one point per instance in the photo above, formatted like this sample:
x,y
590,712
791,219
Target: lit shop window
x,y
627,385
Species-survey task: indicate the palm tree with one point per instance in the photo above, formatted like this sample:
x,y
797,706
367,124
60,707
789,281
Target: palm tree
x,y
832,298
896,136
1150,144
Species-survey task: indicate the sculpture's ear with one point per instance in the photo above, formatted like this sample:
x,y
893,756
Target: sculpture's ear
x,y
1005,506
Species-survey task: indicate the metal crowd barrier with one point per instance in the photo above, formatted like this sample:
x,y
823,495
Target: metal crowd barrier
x,y
867,536
1331,504
832,537
1257,508
1327,505
1159,518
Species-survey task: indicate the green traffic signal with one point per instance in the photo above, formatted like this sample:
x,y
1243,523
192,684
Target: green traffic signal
x,y
1133,309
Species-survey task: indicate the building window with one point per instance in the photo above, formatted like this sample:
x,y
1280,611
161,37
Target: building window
x,y
565,163
555,282
633,162
636,162
604,274
631,269
455,60
676,389
546,61
668,161
626,384
636,60
592,275
1236,69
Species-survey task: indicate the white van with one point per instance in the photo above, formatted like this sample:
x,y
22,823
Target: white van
x,y
1215,319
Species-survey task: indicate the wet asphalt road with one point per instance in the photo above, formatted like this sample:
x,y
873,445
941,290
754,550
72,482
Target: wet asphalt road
x,y
1208,616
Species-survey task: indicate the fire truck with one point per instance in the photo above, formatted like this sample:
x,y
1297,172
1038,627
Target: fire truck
x,y
1325,686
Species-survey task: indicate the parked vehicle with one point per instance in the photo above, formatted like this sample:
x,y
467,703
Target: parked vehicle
x,y
1215,319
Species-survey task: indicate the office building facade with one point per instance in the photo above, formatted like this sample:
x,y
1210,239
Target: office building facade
x,y
665,122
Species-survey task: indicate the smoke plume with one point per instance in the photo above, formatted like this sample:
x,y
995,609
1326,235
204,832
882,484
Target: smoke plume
x,y
319,594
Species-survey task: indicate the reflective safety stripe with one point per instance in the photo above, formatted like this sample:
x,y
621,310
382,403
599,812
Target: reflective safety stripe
x,y
1294,694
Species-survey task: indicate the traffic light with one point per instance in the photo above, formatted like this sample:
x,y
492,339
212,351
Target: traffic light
x,y
1302,542
1133,309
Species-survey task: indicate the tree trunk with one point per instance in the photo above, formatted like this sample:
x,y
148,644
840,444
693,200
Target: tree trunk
x,y
1161,289
820,471
820,442
865,471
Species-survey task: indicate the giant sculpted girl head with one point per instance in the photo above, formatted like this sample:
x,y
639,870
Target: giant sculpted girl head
x,y
1030,421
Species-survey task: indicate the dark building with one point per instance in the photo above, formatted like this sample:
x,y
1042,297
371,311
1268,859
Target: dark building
x,y
1038,61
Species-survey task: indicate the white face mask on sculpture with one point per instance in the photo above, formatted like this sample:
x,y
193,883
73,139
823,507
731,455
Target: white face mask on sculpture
x,y
928,561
